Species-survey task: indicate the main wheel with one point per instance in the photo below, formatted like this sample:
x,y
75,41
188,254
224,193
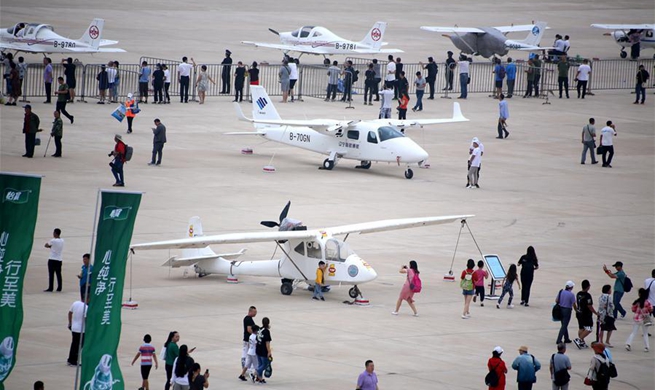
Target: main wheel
x,y
623,54
286,288
353,292
328,164
409,174
365,165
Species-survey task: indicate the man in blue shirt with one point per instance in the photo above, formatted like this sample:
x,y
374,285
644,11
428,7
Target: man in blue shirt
x,y
499,75
527,366
566,300
368,380
85,275
144,78
510,70
619,289
502,117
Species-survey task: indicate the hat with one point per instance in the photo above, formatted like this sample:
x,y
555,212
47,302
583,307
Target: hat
x,y
129,95
27,106
118,136
523,348
227,52
618,264
570,284
476,140
498,350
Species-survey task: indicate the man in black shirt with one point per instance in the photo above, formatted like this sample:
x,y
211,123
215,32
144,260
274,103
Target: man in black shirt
x,y
69,72
399,69
432,69
248,322
450,70
225,72
584,311
239,80
402,84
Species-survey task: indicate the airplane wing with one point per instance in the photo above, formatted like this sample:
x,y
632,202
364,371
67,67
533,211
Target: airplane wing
x,y
99,50
457,117
624,26
393,224
278,46
455,30
232,238
176,262
516,28
380,51
328,126
533,48
19,47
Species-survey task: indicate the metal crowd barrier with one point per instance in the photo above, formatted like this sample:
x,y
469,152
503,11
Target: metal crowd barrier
x,y
606,75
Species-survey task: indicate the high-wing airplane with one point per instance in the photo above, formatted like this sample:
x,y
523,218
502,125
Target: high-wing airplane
x,y
41,38
621,34
321,41
366,141
490,41
301,249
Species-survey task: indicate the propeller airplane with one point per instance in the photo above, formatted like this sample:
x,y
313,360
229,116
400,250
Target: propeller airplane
x,y
366,141
621,34
301,248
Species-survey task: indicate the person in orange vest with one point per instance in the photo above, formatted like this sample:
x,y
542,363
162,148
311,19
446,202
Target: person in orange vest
x,y
130,104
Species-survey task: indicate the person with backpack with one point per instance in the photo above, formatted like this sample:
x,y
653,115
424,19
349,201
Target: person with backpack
x,y
468,289
526,366
407,292
642,309
622,285
598,376
500,73
560,365
497,376
508,286
119,160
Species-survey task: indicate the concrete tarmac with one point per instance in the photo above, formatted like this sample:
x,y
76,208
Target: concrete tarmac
x,y
533,192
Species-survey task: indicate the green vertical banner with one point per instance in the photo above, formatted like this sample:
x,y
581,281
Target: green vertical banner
x,y
100,368
18,210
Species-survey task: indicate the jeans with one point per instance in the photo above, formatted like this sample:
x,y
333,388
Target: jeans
x,y
563,334
582,84
563,387
588,145
479,290
117,170
419,99
616,295
184,89
30,142
157,151
639,90
502,131
463,85
563,82
48,92
507,289
525,385
57,146
528,91
431,82
510,87
537,77
263,364
368,93
402,113
238,91
347,91
169,375
61,107
609,150
159,93
54,268
166,87
225,80
331,90
318,291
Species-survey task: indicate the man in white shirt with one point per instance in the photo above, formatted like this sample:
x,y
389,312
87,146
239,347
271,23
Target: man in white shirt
x,y
167,83
293,76
390,78
582,77
649,284
474,141
76,316
463,65
56,246
183,76
607,135
386,102
474,160
111,80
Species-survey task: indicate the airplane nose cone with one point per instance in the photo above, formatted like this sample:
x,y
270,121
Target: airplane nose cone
x,y
360,270
409,151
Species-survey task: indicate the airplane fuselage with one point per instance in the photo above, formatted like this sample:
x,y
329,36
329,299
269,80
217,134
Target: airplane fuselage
x,y
44,41
647,39
332,45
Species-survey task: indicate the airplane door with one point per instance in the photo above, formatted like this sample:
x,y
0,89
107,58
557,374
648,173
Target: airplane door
x,y
352,143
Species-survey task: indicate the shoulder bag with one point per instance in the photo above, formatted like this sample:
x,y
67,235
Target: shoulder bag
x,y
557,309
492,379
561,377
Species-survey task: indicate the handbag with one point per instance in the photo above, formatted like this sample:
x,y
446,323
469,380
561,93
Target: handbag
x,y
557,309
600,149
162,354
492,379
560,377
136,109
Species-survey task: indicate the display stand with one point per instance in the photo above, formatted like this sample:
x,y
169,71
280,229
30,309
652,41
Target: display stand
x,y
495,267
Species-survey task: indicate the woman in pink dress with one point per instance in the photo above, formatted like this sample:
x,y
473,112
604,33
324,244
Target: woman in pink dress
x,y
406,294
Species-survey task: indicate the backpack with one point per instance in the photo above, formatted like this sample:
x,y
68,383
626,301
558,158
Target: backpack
x,y
502,72
128,152
491,379
467,284
605,372
627,284
415,284
355,76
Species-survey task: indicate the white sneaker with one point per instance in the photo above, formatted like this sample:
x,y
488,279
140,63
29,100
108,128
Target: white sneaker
x,y
646,349
395,313
510,306
627,346
469,186
464,317
415,314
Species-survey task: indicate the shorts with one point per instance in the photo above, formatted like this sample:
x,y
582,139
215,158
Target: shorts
x,y
499,83
145,371
143,88
292,83
284,85
468,292
586,323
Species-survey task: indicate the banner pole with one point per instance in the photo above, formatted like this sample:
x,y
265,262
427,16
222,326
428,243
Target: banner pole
x,y
86,293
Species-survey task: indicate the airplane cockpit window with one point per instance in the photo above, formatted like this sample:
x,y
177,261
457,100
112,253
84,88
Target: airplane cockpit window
x,y
295,33
304,33
336,250
313,249
316,34
372,137
388,132
353,134
300,249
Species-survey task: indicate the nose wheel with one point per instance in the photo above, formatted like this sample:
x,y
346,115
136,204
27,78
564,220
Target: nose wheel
x,y
354,292
623,54
358,297
328,164
409,173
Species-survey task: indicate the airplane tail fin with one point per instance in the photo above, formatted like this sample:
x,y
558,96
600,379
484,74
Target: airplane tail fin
x,y
195,230
262,105
374,37
534,36
92,34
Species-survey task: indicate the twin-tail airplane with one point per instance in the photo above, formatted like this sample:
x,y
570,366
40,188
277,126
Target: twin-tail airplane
x,y
301,250
379,140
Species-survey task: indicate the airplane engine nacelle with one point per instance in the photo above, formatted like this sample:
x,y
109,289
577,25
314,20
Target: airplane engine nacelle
x,y
621,38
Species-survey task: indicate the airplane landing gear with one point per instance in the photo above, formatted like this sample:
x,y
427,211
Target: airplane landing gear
x,y
409,173
624,54
354,292
364,165
328,164
357,295
287,287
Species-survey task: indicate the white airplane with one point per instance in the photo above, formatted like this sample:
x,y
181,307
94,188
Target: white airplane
x,y
622,31
321,41
41,38
490,41
301,249
366,141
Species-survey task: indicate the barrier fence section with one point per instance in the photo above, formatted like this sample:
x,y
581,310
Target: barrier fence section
x,y
606,75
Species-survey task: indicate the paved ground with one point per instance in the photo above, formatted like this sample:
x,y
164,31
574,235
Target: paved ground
x,y
534,192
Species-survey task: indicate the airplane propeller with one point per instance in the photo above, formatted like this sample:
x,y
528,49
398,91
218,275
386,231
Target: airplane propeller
x,y
283,215
273,31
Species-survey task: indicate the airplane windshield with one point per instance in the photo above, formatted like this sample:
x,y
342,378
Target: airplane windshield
x,y
295,33
305,31
336,250
388,132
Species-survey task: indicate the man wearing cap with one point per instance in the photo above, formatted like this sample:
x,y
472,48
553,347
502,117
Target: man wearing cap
x,y
566,300
225,72
560,365
431,77
119,160
471,149
30,128
619,290
474,165
527,366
